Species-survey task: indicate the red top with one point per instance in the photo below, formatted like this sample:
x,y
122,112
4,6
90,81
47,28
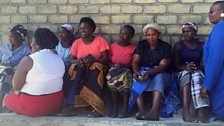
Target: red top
x,y
121,54
80,50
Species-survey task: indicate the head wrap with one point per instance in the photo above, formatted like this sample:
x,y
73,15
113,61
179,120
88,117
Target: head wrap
x,y
190,25
152,26
68,27
20,30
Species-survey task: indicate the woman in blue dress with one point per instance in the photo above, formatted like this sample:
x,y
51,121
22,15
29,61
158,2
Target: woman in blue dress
x,y
214,61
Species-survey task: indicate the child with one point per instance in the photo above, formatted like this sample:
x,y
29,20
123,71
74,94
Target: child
x,y
10,55
119,78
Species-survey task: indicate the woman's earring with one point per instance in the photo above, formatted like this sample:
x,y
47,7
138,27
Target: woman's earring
x,y
222,14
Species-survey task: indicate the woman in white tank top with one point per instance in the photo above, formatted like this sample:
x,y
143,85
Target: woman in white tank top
x,y
38,79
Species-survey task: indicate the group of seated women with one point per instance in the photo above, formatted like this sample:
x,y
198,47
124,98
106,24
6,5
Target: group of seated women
x,y
63,76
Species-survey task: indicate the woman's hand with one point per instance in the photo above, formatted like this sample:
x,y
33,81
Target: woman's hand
x,y
89,60
137,76
190,66
146,76
81,62
203,93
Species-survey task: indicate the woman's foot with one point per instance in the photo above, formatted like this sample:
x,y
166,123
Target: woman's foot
x,y
202,116
68,110
113,115
123,115
151,115
187,117
94,114
138,115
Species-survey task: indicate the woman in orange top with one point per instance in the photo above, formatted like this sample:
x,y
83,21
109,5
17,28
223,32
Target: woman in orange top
x,y
89,54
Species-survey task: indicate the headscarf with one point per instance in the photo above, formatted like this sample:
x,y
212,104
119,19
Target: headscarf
x,y
190,25
20,30
152,26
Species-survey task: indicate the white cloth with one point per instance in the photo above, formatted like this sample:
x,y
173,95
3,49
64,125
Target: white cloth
x,y
46,75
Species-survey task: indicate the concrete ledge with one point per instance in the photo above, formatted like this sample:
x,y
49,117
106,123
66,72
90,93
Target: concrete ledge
x,y
12,119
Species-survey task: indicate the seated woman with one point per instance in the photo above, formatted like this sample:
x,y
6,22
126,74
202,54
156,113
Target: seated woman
x,y
10,55
151,59
89,54
188,62
38,79
67,37
119,78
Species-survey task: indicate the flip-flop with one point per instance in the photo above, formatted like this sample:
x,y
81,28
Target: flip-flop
x,y
112,115
123,115
94,114
144,117
138,115
65,114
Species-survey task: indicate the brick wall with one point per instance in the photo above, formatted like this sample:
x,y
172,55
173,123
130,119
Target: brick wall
x,y
108,14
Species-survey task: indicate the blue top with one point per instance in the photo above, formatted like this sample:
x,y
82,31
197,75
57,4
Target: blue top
x,y
190,55
8,57
214,69
64,53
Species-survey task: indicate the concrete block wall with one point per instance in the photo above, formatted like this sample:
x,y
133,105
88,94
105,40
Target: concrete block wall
x,y
109,15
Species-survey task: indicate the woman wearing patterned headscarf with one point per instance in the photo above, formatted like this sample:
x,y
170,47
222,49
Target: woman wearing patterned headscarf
x,y
188,62
10,55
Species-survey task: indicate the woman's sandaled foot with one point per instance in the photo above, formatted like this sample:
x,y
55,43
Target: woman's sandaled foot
x,y
68,110
152,116
123,115
94,114
138,115
113,115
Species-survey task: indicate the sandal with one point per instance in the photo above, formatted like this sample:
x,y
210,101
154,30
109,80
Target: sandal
x,y
112,115
145,117
94,114
138,115
123,115
67,111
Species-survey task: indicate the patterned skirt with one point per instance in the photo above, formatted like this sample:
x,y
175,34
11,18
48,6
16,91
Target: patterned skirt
x,y
119,79
89,83
194,79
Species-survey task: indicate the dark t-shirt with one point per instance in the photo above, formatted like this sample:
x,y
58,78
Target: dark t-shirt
x,y
149,58
191,55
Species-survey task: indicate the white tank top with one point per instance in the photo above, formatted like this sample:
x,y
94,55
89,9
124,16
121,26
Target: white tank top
x,y
46,75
